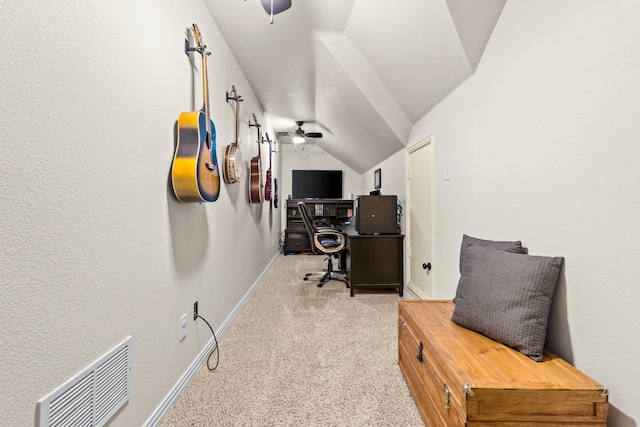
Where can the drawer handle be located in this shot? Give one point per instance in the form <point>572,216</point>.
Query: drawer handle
<point>404,328</point>
<point>447,397</point>
<point>420,357</point>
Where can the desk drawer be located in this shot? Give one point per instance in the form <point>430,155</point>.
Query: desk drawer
<point>296,225</point>
<point>296,241</point>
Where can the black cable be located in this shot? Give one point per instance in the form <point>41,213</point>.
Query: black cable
<point>215,348</point>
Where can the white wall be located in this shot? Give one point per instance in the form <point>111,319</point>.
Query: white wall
<point>543,147</point>
<point>93,245</point>
<point>393,172</point>
<point>311,157</point>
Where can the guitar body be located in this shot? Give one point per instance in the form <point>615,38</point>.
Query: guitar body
<point>275,192</point>
<point>267,186</point>
<point>255,181</point>
<point>194,173</point>
<point>232,170</point>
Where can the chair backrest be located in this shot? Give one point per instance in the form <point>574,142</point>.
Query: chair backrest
<point>308,222</point>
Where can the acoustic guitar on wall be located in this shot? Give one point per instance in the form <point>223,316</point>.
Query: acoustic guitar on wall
<point>195,176</point>
<point>255,179</point>
<point>267,185</point>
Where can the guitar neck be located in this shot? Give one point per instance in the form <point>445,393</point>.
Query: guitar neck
<point>205,87</point>
<point>257,125</point>
<point>237,115</point>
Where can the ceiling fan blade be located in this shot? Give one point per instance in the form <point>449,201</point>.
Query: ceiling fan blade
<point>278,6</point>
<point>313,135</point>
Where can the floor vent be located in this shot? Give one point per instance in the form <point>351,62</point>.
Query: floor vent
<point>94,395</point>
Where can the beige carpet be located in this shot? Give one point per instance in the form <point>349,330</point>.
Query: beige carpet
<point>299,355</point>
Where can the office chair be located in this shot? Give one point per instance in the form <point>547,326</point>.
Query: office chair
<point>329,241</point>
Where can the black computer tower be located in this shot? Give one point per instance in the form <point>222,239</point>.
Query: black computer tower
<point>376,214</point>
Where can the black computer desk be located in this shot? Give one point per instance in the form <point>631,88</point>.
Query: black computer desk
<point>373,260</point>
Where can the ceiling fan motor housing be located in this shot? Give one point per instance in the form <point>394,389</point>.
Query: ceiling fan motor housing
<point>300,132</point>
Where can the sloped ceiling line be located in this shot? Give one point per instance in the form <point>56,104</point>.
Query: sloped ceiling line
<point>389,63</point>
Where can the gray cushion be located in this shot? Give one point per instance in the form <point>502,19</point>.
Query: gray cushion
<point>507,296</point>
<point>515,247</point>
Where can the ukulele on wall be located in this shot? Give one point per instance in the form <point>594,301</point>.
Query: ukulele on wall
<point>232,168</point>
<point>195,176</point>
<point>255,179</point>
<point>267,185</point>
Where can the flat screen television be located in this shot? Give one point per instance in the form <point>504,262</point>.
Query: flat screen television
<point>316,184</point>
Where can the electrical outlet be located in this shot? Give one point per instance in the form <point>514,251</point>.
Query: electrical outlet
<point>183,326</point>
<point>195,310</point>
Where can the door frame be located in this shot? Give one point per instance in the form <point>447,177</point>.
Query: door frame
<point>429,140</point>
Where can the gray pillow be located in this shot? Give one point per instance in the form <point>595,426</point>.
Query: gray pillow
<point>507,296</point>
<point>515,247</point>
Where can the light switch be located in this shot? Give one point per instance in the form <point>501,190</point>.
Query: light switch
<point>447,172</point>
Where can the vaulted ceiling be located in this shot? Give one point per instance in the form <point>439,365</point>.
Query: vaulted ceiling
<point>362,72</point>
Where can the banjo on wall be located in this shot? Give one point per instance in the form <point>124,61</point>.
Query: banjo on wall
<point>232,168</point>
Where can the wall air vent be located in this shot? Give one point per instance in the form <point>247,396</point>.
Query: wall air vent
<point>92,396</point>
<point>286,137</point>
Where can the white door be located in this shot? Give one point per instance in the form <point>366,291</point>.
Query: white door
<point>420,218</point>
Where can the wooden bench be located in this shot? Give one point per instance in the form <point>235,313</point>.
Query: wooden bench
<point>460,378</point>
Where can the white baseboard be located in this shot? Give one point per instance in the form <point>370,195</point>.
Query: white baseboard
<point>408,294</point>
<point>172,396</point>
<point>415,292</point>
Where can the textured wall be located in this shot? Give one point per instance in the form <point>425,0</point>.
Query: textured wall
<point>543,147</point>
<point>394,176</point>
<point>311,157</point>
<point>93,245</point>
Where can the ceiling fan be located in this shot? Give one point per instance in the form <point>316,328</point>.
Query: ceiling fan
<point>273,7</point>
<point>300,135</point>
